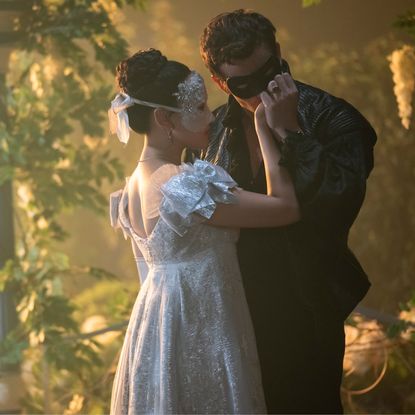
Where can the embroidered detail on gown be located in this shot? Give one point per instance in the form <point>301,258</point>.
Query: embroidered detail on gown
<point>189,345</point>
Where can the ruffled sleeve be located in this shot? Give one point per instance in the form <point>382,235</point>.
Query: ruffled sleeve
<point>190,197</point>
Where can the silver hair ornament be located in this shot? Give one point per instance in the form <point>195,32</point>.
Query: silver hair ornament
<point>191,93</point>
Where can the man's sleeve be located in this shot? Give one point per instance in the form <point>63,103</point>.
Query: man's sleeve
<point>329,169</point>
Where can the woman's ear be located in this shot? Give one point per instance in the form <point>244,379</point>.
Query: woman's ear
<point>220,83</point>
<point>162,118</point>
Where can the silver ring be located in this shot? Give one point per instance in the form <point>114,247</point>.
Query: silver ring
<point>275,87</point>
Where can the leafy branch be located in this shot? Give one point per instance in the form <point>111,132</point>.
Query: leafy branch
<point>53,148</point>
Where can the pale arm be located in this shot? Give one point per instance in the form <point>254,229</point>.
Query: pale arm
<point>253,210</point>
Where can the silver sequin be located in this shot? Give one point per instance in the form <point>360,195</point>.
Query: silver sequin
<point>191,92</point>
<point>192,98</point>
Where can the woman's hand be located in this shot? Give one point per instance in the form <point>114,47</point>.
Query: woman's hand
<point>281,101</point>
<point>260,118</point>
<point>265,135</point>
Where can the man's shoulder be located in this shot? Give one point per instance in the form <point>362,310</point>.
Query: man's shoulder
<point>315,97</point>
<point>320,107</point>
<point>316,100</point>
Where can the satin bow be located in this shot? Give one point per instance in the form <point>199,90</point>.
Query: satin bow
<point>118,116</point>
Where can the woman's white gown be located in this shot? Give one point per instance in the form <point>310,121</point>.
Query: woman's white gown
<point>189,346</point>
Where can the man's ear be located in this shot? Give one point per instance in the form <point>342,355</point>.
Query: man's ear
<point>162,118</point>
<point>220,83</point>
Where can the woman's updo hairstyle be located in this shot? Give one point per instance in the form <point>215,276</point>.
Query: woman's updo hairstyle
<point>150,76</point>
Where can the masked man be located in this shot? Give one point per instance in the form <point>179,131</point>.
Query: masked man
<point>301,281</point>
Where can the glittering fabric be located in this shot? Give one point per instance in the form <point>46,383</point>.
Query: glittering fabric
<point>196,190</point>
<point>189,346</point>
<point>192,99</point>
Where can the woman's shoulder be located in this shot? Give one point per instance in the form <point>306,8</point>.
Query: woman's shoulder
<point>186,173</point>
<point>201,170</point>
<point>163,174</point>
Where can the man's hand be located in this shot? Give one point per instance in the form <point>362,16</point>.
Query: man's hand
<point>281,101</point>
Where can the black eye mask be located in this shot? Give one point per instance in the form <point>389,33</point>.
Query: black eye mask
<point>252,85</point>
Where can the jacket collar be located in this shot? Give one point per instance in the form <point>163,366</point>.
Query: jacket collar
<point>233,112</point>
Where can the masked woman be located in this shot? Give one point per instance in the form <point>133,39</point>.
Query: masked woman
<point>189,346</point>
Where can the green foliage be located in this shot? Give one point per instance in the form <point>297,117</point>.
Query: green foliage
<point>406,22</point>
<point>51,100</point>
<point>308,3</point>
<point>57,25</point>
<point>45,313</point>
<point>108,298</point>
<point>57,90</point>
<point>11,350</point>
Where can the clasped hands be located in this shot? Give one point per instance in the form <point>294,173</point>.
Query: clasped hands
<point>278,108</point>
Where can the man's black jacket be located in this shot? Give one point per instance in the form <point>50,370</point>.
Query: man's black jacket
<point>329,164</point>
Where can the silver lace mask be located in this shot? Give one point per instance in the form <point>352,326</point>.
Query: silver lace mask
<point>194,113</point>
<point>192,98</point>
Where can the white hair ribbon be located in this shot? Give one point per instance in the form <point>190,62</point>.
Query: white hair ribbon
<point>118,116</point>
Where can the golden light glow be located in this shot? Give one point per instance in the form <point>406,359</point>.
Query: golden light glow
<point>365,344</point>
<point>402,65</point>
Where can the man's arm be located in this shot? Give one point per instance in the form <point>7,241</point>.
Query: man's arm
<point>330,171</point>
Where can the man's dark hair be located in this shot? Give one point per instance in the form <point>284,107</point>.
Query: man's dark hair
<point>150,76</point>
<point>234,35</point>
